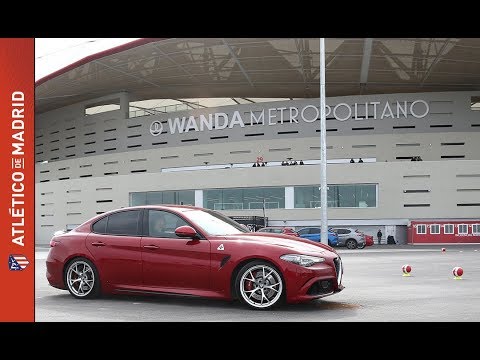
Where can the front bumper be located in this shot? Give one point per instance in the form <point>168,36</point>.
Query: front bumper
<point>305,284</point>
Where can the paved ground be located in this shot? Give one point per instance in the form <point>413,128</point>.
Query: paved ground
<point>375,290</point>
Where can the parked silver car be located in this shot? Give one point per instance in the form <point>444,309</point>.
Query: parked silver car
<point>351,238</point>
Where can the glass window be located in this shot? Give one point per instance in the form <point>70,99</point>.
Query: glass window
<point>476,228</point>
<point>314,230</point>
<point>178,197</point>
<point>366,195</point>
<point>232,199</point>
<point>421,229</point>
<point>308,197</point>
<point>244,199</point>
<point>351,195</point>
<point>448,228</point>
<point>346,196</point>
<point>155,198</point>
<point>214,223</point>
<point>212,199</point>
<point>435,229</point>
<point>253,198</point>
<point>100,226</point>
<point>274,198</point>
<point>163,224</point>
<point>123,223</point>
<point>462,228</point>
<point>138,198</point>
<point>303,231</point>
<point>186,197</point>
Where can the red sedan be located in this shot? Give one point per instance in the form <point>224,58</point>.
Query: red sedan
<point>191,251</point>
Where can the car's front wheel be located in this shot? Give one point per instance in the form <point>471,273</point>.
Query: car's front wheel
<point>81,278</point>
<point>259,285</point>
<point>351,244</point>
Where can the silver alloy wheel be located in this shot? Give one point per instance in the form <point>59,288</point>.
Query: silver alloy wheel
<point>261,286</point>
<point>80,278</point>
<point>351,244</point>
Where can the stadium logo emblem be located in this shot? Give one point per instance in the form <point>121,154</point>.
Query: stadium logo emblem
<point>156,128</point>
<point>17,262</point>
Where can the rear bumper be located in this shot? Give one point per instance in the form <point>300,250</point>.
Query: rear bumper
<point>55,272</point>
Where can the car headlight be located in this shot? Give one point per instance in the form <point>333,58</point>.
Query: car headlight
<point>302,260</point>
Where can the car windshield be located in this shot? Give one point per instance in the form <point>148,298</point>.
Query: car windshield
<point>214,223</point>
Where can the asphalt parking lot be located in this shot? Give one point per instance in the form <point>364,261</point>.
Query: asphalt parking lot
<point>375,290</point>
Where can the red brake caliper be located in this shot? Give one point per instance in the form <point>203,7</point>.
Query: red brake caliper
<point>249,285</point>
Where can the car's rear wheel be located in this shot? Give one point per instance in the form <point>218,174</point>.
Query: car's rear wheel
<point>351,244</point>
<point>81,278</point>
<point>259,285</point>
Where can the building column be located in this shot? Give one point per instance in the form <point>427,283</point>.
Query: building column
<point>125,104</point>
<point>199,198</point>
<point>289,197</point>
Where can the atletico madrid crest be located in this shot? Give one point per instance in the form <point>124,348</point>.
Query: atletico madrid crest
<point>17,262</point>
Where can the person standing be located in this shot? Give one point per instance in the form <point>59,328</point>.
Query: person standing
<point>379,236</point>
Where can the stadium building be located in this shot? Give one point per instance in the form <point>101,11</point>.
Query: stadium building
<point>184,121</point>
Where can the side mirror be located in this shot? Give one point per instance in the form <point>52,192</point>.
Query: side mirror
<point>186,232</point>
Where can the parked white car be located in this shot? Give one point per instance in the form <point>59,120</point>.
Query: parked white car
<point>351,238</point>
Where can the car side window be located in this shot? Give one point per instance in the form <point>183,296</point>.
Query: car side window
<point>100,226</point>
<point>342,231</point>
<point>303,232</point>
<point>123,223</point>
<point>163,224</point>
<point>314,231</point>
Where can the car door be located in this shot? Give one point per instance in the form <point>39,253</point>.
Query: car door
<point>171,262</point>
<point>342,236</point>
<point>314,234</point>
<point>310,234</point>
<point>115,247</point>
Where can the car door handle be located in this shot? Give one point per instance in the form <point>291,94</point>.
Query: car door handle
<point>151,247</point>
<point>98,243</point>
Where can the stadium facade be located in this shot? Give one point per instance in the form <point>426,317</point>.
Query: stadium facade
<point>88,163</point>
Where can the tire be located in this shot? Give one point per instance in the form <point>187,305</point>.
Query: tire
<point>362,246</point>
<point>83,272</point>
<point>351,244</point>
<point>251,281</point>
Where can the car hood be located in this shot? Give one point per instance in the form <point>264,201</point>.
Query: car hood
<point>293,243</point>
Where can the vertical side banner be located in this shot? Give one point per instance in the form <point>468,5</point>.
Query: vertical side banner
<point>17,248</point>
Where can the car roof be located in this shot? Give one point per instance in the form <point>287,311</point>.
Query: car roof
<point>277,227</point>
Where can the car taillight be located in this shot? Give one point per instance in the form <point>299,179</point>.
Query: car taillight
<point>54,243</point>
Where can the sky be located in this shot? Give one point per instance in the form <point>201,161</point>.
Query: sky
<point>52,54</point>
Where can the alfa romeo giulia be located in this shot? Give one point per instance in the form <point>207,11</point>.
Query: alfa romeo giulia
<point>188,250</point>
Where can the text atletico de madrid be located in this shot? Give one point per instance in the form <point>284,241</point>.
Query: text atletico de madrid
<point>18,165</point>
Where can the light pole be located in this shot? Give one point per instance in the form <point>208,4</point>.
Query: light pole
<point>323,148</point>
